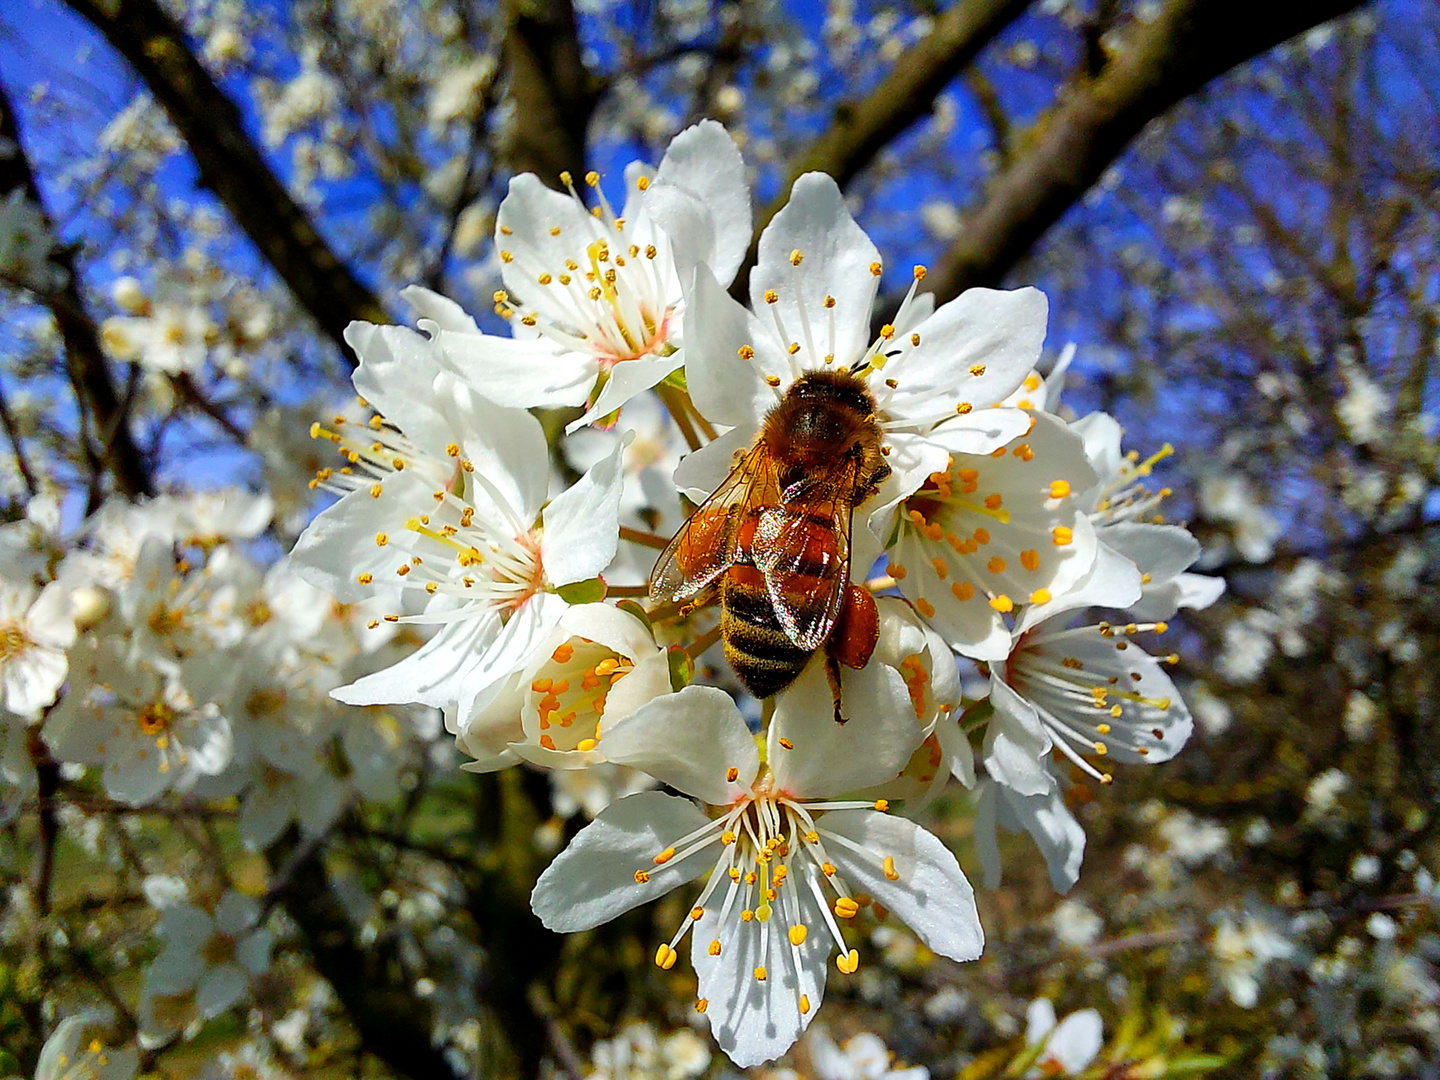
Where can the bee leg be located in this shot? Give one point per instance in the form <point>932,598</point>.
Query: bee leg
<point>832,674</point>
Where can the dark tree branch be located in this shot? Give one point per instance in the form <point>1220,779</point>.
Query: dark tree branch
<point>85,363</point>
<point>861,129</point>
<point>370,981</point>
<point>1189,43</point>
<point>554,94</point>
<point>231,165</point>
<point>17,444</point>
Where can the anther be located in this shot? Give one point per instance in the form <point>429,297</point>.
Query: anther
<point>796,256</point>
<point>798,933</point>
<point>889,867</point>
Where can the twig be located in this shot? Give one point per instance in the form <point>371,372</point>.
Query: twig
<point>645,539</point>
<point>13,433</point>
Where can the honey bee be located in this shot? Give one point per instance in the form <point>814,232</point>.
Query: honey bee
<point>773,541</point>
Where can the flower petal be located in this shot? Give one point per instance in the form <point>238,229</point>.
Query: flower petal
<point>593,879</point>
<point>704,161</point>
<point>691,741</point>
<point>519,373</point>
<point>928,893</point>
<point>725,388</point>
<point>626,380</point>
<point>755,1020</point>
<point>983,343</point>
<point>1016,743</point>
<point>582,523</point>
<point>837,258</point>
<point>826,759</point>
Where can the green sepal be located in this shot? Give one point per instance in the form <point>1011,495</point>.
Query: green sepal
<point>632,607</point>
<point>682,668</point>
<point>591,591</point>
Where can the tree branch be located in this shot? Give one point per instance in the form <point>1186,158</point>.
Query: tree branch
<point>370,981</point>
<point>1189,43</point>
<point>231,165</point>
<point>85,363</point>
<point>553,92</point>
<point>861,129</point>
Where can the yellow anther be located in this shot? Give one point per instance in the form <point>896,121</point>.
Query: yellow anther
<point>829,302</point>
<point>846,908</point>
<point>586,745</point>
<point>641,876</point>
<point>786,743</point>
<point>996,565</point>
<point>977,370</point>
<point>772,380</point>
<point>887,332</point>
<point>1161,627</point>
<point>760,974</point>
<point>715,947</point>
<point>1062,535</point>
<point>1040,596</point>
<point>1059,489</point>
<point>804,1004</point>
<point>746,352</point>
<point>592,178</point>
<point>919,272</point>
<point>696,914</point>
<point>732,774</point>
<point>794,347</point>
<point>964,407</point>
<point>875,269</point>
<point>1101,748</point>
<point>796,256</point>
<point>665,957</point>
<point>727,838</point>
<point>1002,603</point>
<point>882,805</point>
<point>889,867</point>
<point>798,934</point>
<point>747,915</point>
<point>365,578</point>
<point>381,539</point>
<point>771,296</point>
<point>828,869</point>
<point>849,963</point>
<point>664,856</point>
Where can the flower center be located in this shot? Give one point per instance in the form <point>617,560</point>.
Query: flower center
<point>13,641</point>
<point>609,295</point>
<point>265,701</point>
<point>156,718</point>
<point>570,693</point>
<point>219,950</point>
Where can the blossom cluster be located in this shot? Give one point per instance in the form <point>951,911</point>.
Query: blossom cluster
<point>1020,566</point>
<point>152,652</point>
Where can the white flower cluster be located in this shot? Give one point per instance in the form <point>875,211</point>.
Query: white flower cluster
<point>997,524</point>
<point>149,654</point>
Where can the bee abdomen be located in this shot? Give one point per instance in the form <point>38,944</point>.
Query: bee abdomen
<point>763,656</point>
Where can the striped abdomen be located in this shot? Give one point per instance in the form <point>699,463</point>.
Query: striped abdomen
<point>756,645</point>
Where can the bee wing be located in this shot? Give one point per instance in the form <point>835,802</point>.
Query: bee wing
<point>803,549</point>
<point>708,543</point>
